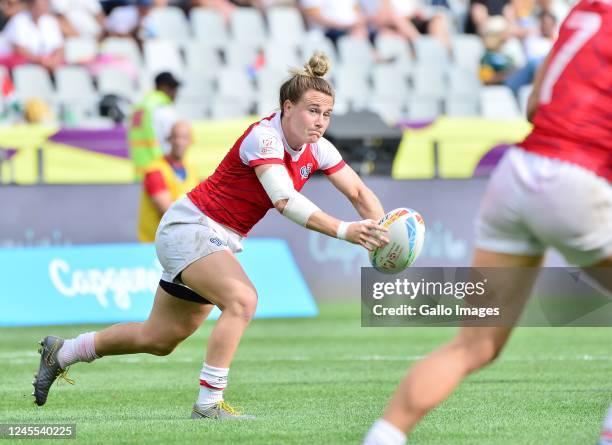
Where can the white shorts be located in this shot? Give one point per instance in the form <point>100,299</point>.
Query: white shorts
<point>533,201</point>
<point>185,235</point>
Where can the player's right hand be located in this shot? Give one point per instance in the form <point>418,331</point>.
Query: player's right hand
<point>367,233</point>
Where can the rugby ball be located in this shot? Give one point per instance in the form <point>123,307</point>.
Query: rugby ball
<point>406,233</point>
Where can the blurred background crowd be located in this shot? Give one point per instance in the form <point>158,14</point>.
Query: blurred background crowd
<point>87,62</point>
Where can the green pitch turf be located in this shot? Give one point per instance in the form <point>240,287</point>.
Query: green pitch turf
<point>320,381</point>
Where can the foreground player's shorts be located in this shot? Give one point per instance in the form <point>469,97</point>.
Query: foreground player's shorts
<point>534,201</point>
<point>185,235</point>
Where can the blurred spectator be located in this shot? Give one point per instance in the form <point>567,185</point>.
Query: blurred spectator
<point>495,65</point>
<point>80,17</point>
<point>166,180</point>
<point>426,22</point>
<point>224,7</point>
<point>498,68</point>
<point>34,36</point>
<point>382,16</point>
<point>8,8</point>
<point>481,10</point>
<point>539,44</point>
<point>336,18</point>
<point>151,122</point>
<point>131,21</point>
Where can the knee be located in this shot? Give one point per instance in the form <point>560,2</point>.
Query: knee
<point>478,353</point>
<point>156,344</point>
<point>483,353</point>
<point>242,303</point>
<point>161,348</point>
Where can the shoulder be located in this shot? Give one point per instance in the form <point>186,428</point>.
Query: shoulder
<point>323,147</point>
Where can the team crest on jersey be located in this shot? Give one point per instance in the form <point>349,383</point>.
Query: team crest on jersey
<point>267,144</point>
<point>306,170</point>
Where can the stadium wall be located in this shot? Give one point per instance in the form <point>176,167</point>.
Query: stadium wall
<point>55,215</point>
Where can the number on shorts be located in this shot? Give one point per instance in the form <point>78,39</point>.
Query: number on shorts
<point>586,25</point>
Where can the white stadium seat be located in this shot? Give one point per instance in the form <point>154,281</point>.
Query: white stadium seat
<point>169,23</point>
<point>208,26</point>
<point>498,102</point>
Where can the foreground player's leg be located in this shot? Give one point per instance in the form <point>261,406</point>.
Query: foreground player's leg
<point>171,321</point>
<point>221,278</point>
<point>434,378</point>
<point>606,431</point>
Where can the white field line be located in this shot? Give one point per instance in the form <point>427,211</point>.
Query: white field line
<point>29,357</point>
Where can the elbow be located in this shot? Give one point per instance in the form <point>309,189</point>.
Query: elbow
<point>280,205</point>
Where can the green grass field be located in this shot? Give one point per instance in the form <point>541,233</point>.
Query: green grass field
<point>321,381</point>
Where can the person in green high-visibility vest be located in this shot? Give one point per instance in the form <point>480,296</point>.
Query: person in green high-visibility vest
<point>150,123</point>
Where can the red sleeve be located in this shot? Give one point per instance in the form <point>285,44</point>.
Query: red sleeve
<point>256,162</point>
<point>335,168</point>
<point>154,183</point>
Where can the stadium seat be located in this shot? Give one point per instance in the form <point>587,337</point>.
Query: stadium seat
<point>389,82</point>
<point>316,41</point>
<point>75,89</point>
<point>122,47</point>
<point>229,108</point>
<point>207,26</point>
<point>235,84</point>
<point>33,82</point>
<point>461,106</point>
<point>423,108</point>
<point>240,55</point>
<point>498,102</point>
<point>286,25</point>
<point>430,52</point>
<point>113,81</point>
<point>247,26</point>
<point>169,23</point>
<point>80,50</point>
<point>270,79</point>
<point>390,112</point>
<point>201,57</point>
<point>281,56</point>
<point>352,87</point>
<point>523,97</point>
<point>396,51</point>
<point>429,81</point>
<point>355,54</point>
<point>463,83</point>
<point>162,55</point>
<point>468,49</point>
<point>266,105</point>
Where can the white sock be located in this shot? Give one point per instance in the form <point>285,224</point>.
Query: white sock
<point>384,433</point>
<point>606,433</point>
<point>212,383</point>
<point>80,349</point>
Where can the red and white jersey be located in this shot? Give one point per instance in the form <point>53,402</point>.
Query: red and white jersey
<point>573,121</point>
<point>233,195</point>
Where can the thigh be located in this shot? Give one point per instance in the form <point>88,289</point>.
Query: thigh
<point>220,277</point>
<point>173,318</point>
<point>512,277</point>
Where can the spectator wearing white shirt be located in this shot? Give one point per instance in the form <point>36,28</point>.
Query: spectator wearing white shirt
<point>83,18</point>
<point>336,18</point>
<point>425,21</point>
<point>382,16</point>
<point>35,36</point>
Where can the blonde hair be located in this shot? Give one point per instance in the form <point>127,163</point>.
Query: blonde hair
<point>308,78</point>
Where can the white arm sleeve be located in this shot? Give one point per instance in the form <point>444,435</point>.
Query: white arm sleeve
<point>279,186</point>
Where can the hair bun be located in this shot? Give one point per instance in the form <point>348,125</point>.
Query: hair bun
<point>318,65</point>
